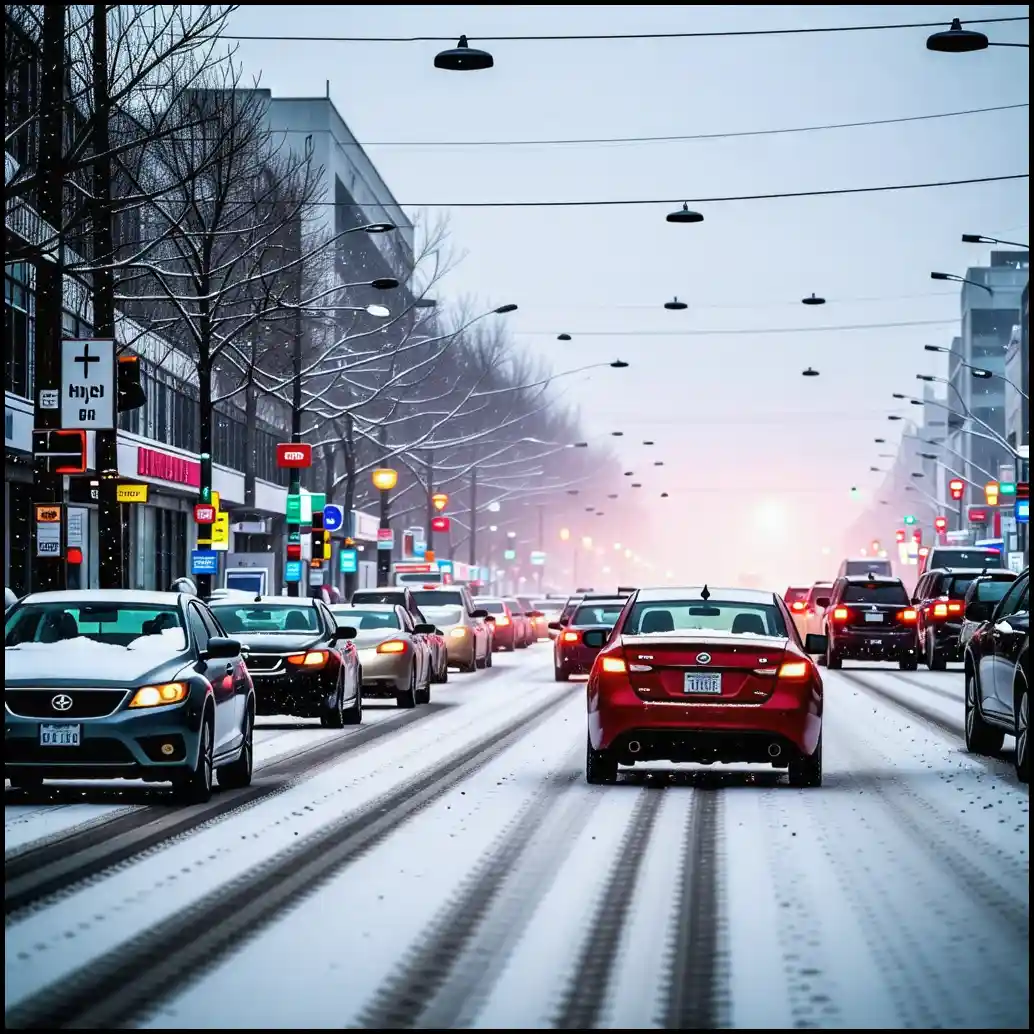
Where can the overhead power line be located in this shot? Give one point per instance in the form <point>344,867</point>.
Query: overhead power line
<point>762,330</point>
<point>674,138</point>
<point>730,33</point>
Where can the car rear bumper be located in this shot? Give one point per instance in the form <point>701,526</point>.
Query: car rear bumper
<point>461,652</point>
<point>385,674</point>
<point>947,640</point>
<point>716,732</point>
<point>126,745</point>
<point>874,646</point>
<point>300,694</point>
<point>575,661</point>
<point>504,638</point>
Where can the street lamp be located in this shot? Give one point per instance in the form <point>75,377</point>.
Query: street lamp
<point>684,215</point>
<point>675,305</point>
<point>979,238</point>
<point>463,58</point>
<point>384,283</point>
<point>813,299</point>
<point>955,278</point>
<point>957,40</point>
<point>563,337</point>
<point>977,371</point>
<point>384,480</point>
<point>565,534</point>
<point>809,372</point>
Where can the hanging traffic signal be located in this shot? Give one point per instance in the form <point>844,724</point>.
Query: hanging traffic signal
<point>956,487</point>
<point>129,389</point>
<point>318,537</point>
<point>206,477</point>
<point>910,518</point>
<point>991,490</point>
<point>940,525</point>
<point>439,501</point>
<point>899,535</point>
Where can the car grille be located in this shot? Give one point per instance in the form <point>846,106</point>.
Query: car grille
<point>265,663</point>
<point>86,703</point>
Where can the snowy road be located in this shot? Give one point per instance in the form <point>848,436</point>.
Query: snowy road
<point>450,868</point>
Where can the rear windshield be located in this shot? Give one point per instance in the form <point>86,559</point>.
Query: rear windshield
<point>865,566</point>
<point>992,590</point>
<point>966,558</point>
<point>438,598</point>
<point>262,618</point>
<point>364,620</point>
<point>492,606</point>
<point>597,614</point>
<point>443,615</point>
<point>795,595</point>
<point>569,608</point>
<point>713,616</point>
<point>876,592</point>
<point>372,596</point>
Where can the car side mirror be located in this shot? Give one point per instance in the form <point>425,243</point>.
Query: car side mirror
<point>822,601</point>
<point>482,614</point>
<point>815,644</point>
<point>438,631</point>
<point>490,619</point>
<point>555,626</point>
<point>424,629</point>
<point>220,647</point>
<point>594,638</point>
<point>979,610</point>
<point>345,632</point>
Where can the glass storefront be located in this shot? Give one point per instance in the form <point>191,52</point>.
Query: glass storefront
<point>158,547</point>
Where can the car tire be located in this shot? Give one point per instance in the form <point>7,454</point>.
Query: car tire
<point>935,660</point>
<point>1022,711</point>
<point>423,696</point>
<point>909,664</point>
<point>488,658</point>
<point>237,774</point>
<point>444,677</point>
<point>477,665</point>
<point>26,781</point>
<point>833,661</point>
<point>195,785</point>
<point>333,717</point>
<point>408,698</point>
<point>354,715</point>
<point>806,769</point>
<point>560,674</point>
<point>601,767</point>
<point>981,738</point>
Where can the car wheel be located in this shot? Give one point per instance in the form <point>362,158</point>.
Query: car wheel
<point>806,769</point>
<point>423,696</point>
<point>935,660</point>
<point>488,658</point>
<point>195,785</point>
<point>26,781</point>
<point>333,717</point>
<point>601,767</point>
<point>445,672</point>
<point>1022,709</point>
<point>833,662</point>
<point>559,674</point>
<point>237,774</point>
<point>482,663</point>
<point>981,738</point>
<point>408,698</point>
<point>908,664</point>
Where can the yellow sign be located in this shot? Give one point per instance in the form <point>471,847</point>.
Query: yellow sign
<point>48,514</point>
<point>132,493</point>
<point>215,501</point>
<point>221,530</point>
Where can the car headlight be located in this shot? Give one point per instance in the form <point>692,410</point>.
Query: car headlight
<point>156,696</point>
<point>458,633</point>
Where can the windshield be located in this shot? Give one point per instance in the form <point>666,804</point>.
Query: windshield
<point>867,566</point>
<point>597,614</point>
<point>117,624</point>
<point>548,606</point>
<point>364,620</point>
<point>444,615</point>
<point>370,596</point>
<point>428,599</point>
<point>993,589</point>
<point>265,618</point>
<point>876,592</point>
<point>966,558</point>
<point>795,595</point>
<point>713,616</point>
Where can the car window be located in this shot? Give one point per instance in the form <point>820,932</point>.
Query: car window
<point>266,618</point>
<point>1014,601</point>
<point>364,620</point>
<point>115,623</point>
<point>816,591</point>
<point>210,623</point>
<point>963,557</point>
<point>991,590</point>
<point>437,598</point>
<point>697,616</point>
<point>795,595</point>
<point>597,614</point>
<point>875,592</point>
<point>492,606</point>
<point>371,596</point>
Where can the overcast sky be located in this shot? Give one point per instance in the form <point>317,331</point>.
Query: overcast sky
<point>759,460</point>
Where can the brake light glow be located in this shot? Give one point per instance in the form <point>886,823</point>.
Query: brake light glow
<point>907,616</point>
<point>613,665</point>
<point>793,670</point>
<point>156,696</point>
<point>392,646</point>
<point>502,620</point>
<point>798,606</point>
<point>954,607</point>
<point>841,613</point>
<point>570,637</point>
<point>940,610</point>
<point>310,659</point>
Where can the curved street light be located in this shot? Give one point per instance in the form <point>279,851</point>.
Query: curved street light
<point>957,40</point>
<point>813,299</point>
<point>463,58</point>
<point>955,278</point>
<point>684,215</point>
<point>979,238</point>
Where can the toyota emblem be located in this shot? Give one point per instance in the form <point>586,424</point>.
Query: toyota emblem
<point>62,702</point>
<point>703,658</point>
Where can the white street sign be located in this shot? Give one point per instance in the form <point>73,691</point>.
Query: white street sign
<point>88,384</point>
<point>48,538</point>
<point>49,399</point>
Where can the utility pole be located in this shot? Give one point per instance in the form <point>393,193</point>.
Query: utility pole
<point>541,543</point>
<point>473,558</point>
<point>109,511</point>
<point>430,503</point>
<point>384,555</point>
<point>48,488</point>
<point>295,486</point>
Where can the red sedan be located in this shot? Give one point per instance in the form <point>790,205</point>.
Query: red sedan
<point>701,675</point>
<point>571,654</point>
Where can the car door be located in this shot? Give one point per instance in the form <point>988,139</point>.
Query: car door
<point>239,679</point>
<point>219,672</point>
<point>345,647</point>
<point>1009,629</point>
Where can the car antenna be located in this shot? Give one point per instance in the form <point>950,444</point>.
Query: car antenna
<point>705,593</point>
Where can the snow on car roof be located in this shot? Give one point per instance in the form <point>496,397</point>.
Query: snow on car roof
<point>692,592</point>
<point>145,597</point>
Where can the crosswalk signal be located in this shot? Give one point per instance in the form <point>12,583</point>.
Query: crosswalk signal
<point>129,389</point>
<point>319,537</point>
<point>59,452</point>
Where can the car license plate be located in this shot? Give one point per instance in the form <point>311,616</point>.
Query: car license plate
<point>873,617</point>
<point>696,683</point>
<point>60,735</point>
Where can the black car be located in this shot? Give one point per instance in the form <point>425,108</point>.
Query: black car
<point>123,684</point>
<point>302,663</point>
<point>869,618</point>
<point>997,679</point>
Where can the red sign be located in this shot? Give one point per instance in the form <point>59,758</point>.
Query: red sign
<point>294,454</point>
<point>440,523</point>
<point>294,551</point>
<point>165,467</point>
<point>977,516</point>
<point>385,535</point>
<point>204,513</point>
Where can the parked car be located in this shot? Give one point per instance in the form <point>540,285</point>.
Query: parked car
<point>571,654</point>
<point>870,617</point>
<point>394,652</point>
<point>988,588</point>
<point>814,621</point>
<point>121,684</point>
<point>302,661</point>
<point>704,675</point>
<point>997,674</point>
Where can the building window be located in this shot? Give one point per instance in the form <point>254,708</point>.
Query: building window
<point>18,330</point>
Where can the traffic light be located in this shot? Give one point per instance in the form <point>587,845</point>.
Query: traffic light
<point>294,551</point>
<point>991,490</point>
<point>318,536</point>
<point>206,477</point>
<point>956,487</point>
<point>129,390</point>
<point>899,535</point>
<point>439,501</point>
<point>910,519</point>
<point>59,452</point>
<point>940,525</point>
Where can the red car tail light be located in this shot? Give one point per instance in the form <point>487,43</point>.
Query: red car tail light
<point>502,620</point>
<point>571,637</point>
<point>794,670</point>
<point>841,613</point>
<point>797,607</point>
<point>392,646</point>
<point>940,610</point>
<point>311,659</point>
<point>908,616</point>
<point>613,665</point>
<point>954,607</point>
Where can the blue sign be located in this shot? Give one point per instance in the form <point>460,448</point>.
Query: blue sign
<point>204,561</point>
<point>444,566</point>
<point>333,517</point>
<point>419,550</point>
<point>1022,511</point>
<point>293,571</point>
<point>348,560</point>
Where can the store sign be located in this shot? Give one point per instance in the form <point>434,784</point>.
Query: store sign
<point>977,516</point>
<point>164,466</point>
<point>294,455</point>
<point>348,561</point>
<point>204,561</point>
<point>87,384</point>
<point>132,493</point>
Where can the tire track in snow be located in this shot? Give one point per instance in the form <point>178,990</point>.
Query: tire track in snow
<point>694,1001</point>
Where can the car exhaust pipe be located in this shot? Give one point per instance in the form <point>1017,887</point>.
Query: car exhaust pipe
<point>774,750</point>
<point>634,746</point>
